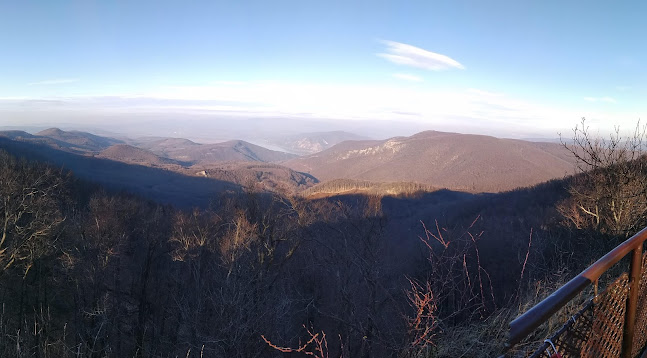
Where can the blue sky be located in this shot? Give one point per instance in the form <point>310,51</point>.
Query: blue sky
<point>537,66</point>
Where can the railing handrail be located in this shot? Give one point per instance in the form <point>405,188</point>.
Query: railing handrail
<point>533,318</point>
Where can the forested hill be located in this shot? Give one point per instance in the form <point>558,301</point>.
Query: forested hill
<point>463,162</point>
<point>123,167</point>
<point>121,276</point>
<point>163,185</point>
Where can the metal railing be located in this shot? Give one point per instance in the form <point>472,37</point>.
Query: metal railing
<point>528,322</point>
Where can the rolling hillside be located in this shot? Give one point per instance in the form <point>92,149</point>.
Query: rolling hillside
<point>473,163</point>
<point>126,167</point>
<point>128,154</point>
<point>154,183</point>
<point>190,152</point>
<point>69,141</point>
<point>258,176</point>
<point>174,149</point>
<point>82,141</point>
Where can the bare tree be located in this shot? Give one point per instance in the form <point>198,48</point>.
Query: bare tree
<point>610,192</point>
<point>29,211</point>
<point>231,280</point>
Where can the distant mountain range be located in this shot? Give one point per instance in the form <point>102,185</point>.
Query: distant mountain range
<point>72,141</point>
<point>472,163</point>
<point>77,140</point>
<point>188,171</point>
<point>184,150</point>
<point>460,162</point>
<point>177,150</point>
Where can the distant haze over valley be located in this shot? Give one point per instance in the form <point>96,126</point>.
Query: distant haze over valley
<point>427,160</point>
<point>213,128</point>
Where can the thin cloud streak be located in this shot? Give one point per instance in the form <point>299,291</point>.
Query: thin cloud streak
<point>408,55</point>
<point>57,81</point>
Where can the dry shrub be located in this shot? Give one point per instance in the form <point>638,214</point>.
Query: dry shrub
<point>315,346</point>
<point>487,338</point>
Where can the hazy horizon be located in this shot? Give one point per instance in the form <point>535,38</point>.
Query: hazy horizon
<point>205,70</point>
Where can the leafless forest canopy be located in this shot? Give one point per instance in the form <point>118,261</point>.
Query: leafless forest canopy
<point>421,246</point>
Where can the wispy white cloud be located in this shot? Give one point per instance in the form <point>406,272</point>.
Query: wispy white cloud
<point>408,77</point>
<point>56,81</point>
<point>409,55</point>
<point>623,88</point>
<point>600,99</point>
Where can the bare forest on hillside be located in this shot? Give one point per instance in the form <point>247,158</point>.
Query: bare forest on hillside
<point>344,269</point>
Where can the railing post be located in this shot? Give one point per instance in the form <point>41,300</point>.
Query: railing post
<point>632,302</point>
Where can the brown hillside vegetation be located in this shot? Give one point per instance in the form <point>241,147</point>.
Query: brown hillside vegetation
<point>350,186</point>
<point>133,155</point>
<point>194,153</point>
<point>439,274</point>
<point>167,186</point>
<point>264,265</point>
<point>175,149</point>
<point>160,178</point>
<point>74,141</point>
<point>78,140</point>
<point>238,163</point>
<point>455,161</point>
<point>256,176</point>
<point>16,135</point>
